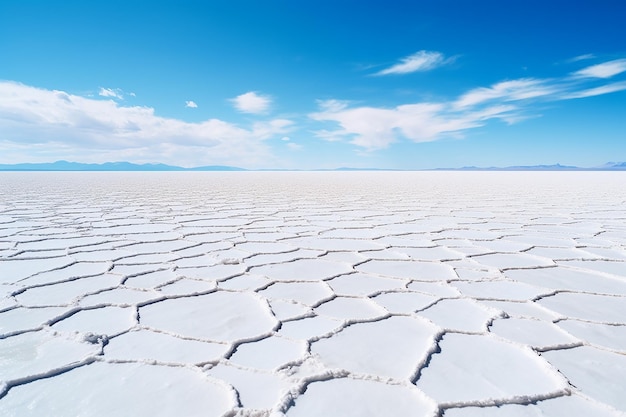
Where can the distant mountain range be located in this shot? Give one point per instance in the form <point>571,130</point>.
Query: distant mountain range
<point>108,166</point>
<point>128,166</point>
<point>609,166</point>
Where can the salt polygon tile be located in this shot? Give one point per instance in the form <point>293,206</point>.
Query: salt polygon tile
<point>354,233</point>
<point>256,248</point>
<point>430,254</point>
<point>303,270</point>
<point>61,243</point>
<point>269,353</point>
<point>404,302</point>
<point>107,321</point>
<point>159,247</point>
<point>66,293</point>
<point>605,335</point>
<point>472,274</point>
<point>459,315</point>
<point>391,348</point>
<point>481,369</point>
<point>76,270</point>
<point>499,290</point>
<point>562,253</point>
<point>385,254</point>
<point>196,261</point>
<point>146,346</point>
<point>609,253</point>
<point>564,278</point>
<point>505,245</point>
<point>597,373</point>
<point>287,310</point>
<point>307,293</point>
<point>15,270</point>
<point>331,244</point>
<point>523,309</point>
<point>220,316</point>
<point>348,397</point>
<point>264,259</point>
<point>218,272</point>
<point>360,284</point>
<point>617,268</point>
<point>538,334</point>
<point>569,405</point>
<point>245,282</point>
<point>35,354</point>
<point>200,235</point>
<point>413,270</point>
<point>350,258</point>
<point>186,287</point>
<point>256,390</point>
<point>21,319</point>
<point>434,288</point>
<point>135,229</point>
<point>269,236</point>
<point>513,260</point>
<point>158,258</point>
<point>148,280</point>
<point>345,308</point>
<point>120,297</point>
<point>309,327</point>
<point>102,389</point>
<point>592,307</point>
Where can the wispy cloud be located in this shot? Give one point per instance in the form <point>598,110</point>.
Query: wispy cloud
<point>62,125</point>
<point>513,90</point>
<point>581,57</point>
<point>510,101</point>
<point>111,92</point>
<point>604,70</point>
<point>597,91</point>
<point>191,104</point>
<point>251,102</point>
<point>419,61</point>
<point>376,128</point>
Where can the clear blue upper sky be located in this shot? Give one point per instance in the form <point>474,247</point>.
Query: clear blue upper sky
<point>314,84</point>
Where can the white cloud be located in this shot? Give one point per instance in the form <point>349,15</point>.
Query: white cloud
<point>294,146</point>
<point>55,124</point>
<point>582,57</point>
<point>604,70</point>
<point>191,104</point>
<point>510,101</point>
<point>605,89</point>
<point>419,61</point>
<point>111,92</point>
<point>376,128</point>
<point>506,91</point>
<point>251,102</point>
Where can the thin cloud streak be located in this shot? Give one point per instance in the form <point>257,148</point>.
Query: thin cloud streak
<point>419,61</point>
<point>604,70</point>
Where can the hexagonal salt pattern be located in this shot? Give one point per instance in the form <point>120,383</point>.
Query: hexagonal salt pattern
<point>306,294</point>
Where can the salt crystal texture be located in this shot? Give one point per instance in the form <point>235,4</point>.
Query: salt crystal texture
<point>267,294</point>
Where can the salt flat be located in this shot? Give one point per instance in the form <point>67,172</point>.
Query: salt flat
<point>451,294</point>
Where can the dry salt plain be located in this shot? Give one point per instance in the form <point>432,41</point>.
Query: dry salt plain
<point>449,294</point>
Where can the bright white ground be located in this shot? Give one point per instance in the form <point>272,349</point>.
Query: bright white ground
<point>313,294</point>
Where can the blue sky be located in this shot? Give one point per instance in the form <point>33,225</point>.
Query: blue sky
<point>319,84</point>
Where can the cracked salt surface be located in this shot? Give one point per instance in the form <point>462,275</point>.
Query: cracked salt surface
<point>307,294</point>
